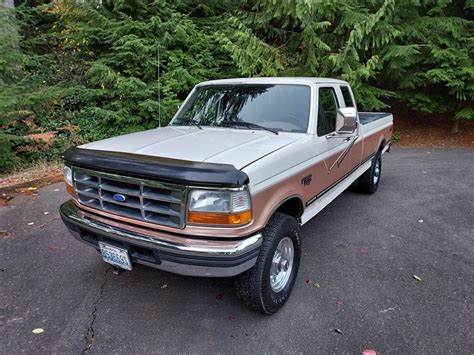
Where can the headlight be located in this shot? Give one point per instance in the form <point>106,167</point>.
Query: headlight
<point>68,175</point>
<point>219,207</point>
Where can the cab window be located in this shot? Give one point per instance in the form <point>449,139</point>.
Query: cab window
<point>327,111</point>
<point>346,94</point>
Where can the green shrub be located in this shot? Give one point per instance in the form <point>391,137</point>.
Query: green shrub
<point>8,158</point>
<point>87,70</point>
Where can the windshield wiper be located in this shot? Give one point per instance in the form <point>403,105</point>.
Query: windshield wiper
<point>190,122</point>
<point>249,125</point>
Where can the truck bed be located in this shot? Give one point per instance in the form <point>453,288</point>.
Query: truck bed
<point>367,117</point>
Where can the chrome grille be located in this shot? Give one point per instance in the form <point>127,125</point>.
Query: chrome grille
<point>145,200</point>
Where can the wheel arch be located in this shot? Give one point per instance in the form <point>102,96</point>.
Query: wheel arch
<point>292,206</point>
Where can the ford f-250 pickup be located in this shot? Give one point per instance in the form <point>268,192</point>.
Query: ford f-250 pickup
<point>224,189</point>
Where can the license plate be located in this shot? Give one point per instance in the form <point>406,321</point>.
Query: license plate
<point>115,256</point>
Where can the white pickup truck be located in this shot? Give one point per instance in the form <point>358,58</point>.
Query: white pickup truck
<point>224,189</point>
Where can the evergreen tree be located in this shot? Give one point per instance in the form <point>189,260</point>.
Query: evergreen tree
<point>86,70</point>
<point>418,51</point>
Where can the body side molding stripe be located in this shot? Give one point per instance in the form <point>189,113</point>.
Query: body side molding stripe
<point>327,189</point>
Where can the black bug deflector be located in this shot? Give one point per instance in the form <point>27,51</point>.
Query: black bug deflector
<point>157,168</point>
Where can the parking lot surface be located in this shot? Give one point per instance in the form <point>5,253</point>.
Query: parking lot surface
<point>391,272</point>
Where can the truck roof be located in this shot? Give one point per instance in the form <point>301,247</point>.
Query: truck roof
<point>275,80</point>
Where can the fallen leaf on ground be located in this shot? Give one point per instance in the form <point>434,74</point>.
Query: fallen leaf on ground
<point>116,270</point>
<point>417,278</point>
<point>6,234</point>
<point>26,191</point>
<point>34,177</point>
<point>388,309</point>
<point>338,331</point>
<point>4,200</point>
<point>38,330</point>
<point>164,286</point>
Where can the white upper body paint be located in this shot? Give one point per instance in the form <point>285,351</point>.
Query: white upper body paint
<point>267,158</point>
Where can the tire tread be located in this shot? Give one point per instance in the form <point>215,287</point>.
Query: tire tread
<point>250,286</point>
<point>365,181</point>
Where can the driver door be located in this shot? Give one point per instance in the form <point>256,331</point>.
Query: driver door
<point>332,166</point>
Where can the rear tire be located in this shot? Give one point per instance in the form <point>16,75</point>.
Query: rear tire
<point>268,285</point>
<point>369,181</point>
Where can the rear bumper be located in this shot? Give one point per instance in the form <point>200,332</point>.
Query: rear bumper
<point>210,258</point>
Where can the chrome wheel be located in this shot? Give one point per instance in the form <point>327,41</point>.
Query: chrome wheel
<point>282,264</point>
<point>377,172</point>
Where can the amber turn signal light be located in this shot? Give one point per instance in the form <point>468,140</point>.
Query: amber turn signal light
<point>70,190</point>
<point>220,218</point>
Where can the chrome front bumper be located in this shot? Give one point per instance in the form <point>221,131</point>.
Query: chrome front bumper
<point>209,257</point>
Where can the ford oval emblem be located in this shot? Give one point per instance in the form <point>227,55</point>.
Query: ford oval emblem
<point>119,198</point>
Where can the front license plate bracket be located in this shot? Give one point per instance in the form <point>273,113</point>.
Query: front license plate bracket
<point>116,256</point>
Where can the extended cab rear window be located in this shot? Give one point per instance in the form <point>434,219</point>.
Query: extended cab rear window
<point>282,107</point>
<point>346,94</point>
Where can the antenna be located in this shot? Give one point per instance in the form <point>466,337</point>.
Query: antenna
<point>159,86</point>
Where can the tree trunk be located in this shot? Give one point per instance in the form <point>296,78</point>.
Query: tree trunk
<point>8,28</point>
<point>9,4</point>
<point>456,126</point>
<point>9,40</point>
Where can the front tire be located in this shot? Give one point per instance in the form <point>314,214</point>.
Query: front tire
<point>268,285</point>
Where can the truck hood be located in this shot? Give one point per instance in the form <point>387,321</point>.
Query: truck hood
<point>238,147</point>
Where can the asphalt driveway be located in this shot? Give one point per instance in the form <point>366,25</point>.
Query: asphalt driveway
<point>356,288</point>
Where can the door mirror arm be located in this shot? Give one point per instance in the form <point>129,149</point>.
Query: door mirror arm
<point>335,135</point>
<point>341,157</point>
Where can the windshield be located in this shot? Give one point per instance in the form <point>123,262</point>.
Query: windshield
<point>280,107</point>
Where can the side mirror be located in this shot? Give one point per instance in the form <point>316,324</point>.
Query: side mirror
<point>346,120</point>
